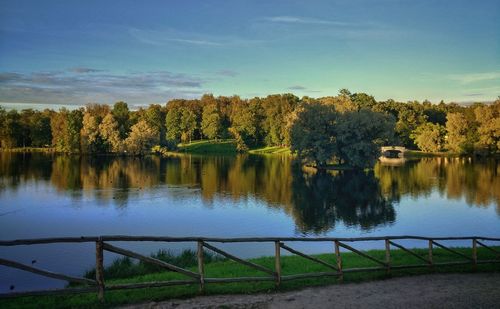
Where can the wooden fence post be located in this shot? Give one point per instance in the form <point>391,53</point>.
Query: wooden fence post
<point>201,266</point>
<point>388,255</point>
<point>277,262</point>
<point>339,260</point>
<point>99,269</point>
<point>474,253</point>
<point>430,253</point>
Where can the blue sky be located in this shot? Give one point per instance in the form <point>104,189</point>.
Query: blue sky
<point>142,52</point>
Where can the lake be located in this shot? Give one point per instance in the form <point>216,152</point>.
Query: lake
<point>44,195</point>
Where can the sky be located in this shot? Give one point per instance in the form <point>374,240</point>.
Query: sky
<point>143,52</point>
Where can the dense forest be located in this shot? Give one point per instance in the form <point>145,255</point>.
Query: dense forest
<point>276,120</point>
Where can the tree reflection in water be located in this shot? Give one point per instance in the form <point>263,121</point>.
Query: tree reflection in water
<point>322,199</point>
<point>317,201</point>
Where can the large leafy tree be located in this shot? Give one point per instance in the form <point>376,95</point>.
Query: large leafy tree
<point>40,133</point>
<point>59,127</point>
<point>10,129</point>
<point>173,126</point>
<point>276,108</point>
<point>90,138</point>
<point>359,136</point>
<point>408,120</point>
<point>155,118</point>
<point>121,114</point>
<point>429,137</point>
<point>488,118</point>
<point>188,124</point>
<point>247,119</point>
<point>211,121</point>
<point>313,133</point>
<point>66,126</point>
<point>110,132</point>
<point>142,137</point>
<point>461,133</point>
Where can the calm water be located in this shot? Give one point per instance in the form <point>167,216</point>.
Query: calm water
<point>46,196</point>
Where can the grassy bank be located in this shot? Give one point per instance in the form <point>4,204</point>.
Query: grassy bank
<point>226,268</point>
<point>271,150</point>
<point>209,147</point>
<point>227,146</point>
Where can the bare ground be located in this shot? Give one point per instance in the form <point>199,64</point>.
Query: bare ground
<point>427,291</point>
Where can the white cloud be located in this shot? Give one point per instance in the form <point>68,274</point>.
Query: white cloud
<point>80,87</point>
<point>469,78</point>
<point>304,20</point>
<point>165,37</point>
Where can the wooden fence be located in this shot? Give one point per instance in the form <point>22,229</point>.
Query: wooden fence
<point>103,244</point>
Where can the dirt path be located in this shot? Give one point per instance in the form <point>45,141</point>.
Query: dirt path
<point>428,291</point>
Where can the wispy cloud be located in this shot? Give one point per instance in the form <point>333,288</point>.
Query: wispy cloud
<point>297,87</point>
<point>84,70</point>
<point>304,20</point>
<point>78,87</point>
<point>294,27</point>
<point>474,94</point>
<point>469,78</point>
<point>169,36</point>
<point>302,89</point>
<point>227,72</point>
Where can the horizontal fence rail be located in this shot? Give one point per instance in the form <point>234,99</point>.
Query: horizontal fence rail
<point>275,275</point>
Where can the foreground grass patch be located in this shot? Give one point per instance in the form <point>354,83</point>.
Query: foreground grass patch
<point>290,265</point>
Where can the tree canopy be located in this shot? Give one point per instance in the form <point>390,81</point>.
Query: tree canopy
<point>361,124</point>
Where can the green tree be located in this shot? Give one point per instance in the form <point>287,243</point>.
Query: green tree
<point>141,138</point>
<point>429,137</point>
<point>59,127</point>
<point>91,141</point>
<point>187,124</point>
<point>72,134</point>
<point>40,133</point>
<point>110,132</point>
<point>360,135</point>
<point>408,120</point>
<point>488,118</point>
<point>10,129</point>
<point>25,122</point>
<point>66,127</point>
<point>173,126</point>
<point>363,100</point>
<point>313,133</point>
<point>246,121</point>
<point>276,108</point>
<point>342,102</point>
<point>460,133</point>
<point>155,118</point>
<point>121,114</point>
<point>211,121</point>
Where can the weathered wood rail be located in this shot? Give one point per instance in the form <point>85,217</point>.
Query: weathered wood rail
<point>275,275</point>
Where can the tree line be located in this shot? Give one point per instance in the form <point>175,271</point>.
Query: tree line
<point>342,126</point>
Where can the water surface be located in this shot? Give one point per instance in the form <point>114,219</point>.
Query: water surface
<point>230,196</point>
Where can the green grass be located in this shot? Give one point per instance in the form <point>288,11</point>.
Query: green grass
<point>271,150</point>
<point>226,146</point>
<point>125,267</point>
<point>209,147</point>
<point>290,265</point>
